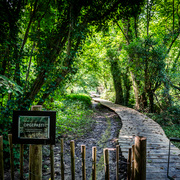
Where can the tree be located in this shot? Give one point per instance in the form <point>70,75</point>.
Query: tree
<point>40,42</point>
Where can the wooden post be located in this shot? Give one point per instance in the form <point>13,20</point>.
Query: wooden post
<point>94,163</point>
<point>35,156</point>
<point>21,161</point>
<point>1,159</point>
<point>52,161</point>
<point>129,165</point>
<point>83,152</point>
<point>62,158</point>
<point>117,162</point>
<point>11,156</point>
<point>132,173</point>
<point>106,163</point>
<point>72,159</point>
<point>140,158</point>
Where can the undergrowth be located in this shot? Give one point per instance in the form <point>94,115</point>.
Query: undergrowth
<point>170,122</point>
<point>73,119</point>
<point>74,115</point>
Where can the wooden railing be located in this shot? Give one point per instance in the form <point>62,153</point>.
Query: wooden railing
<point>136,163</point>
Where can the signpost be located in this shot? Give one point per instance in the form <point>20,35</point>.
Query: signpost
<point>36,128</point>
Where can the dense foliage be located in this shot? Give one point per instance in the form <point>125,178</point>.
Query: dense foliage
<point>127,51</point>
<point>39,45</point>
<point>74,115</point>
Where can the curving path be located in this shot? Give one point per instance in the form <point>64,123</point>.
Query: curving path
<point>137,124</point>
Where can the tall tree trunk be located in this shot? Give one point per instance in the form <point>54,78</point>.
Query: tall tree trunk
<point>151,101</point>
<point>136,90</point>
<point>127,85</point>
<point>167,97</point>
<point>115,70</point>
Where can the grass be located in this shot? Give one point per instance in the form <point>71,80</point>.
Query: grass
<point>74,115</point>
<point>169,120</point>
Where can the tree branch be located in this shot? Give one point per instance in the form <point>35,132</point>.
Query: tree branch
<point>178,32</point>
<point>171,84</point>
<point>122,31</point>
<point>28,27</point>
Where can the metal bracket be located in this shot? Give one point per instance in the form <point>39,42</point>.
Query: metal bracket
<point>174,140</point>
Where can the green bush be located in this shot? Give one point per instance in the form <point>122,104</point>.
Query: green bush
<point>80,97</point>
<point>74,114</point>
<point>169,121</point>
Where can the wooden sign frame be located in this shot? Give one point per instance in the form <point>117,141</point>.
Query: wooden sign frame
<point>34,127</point>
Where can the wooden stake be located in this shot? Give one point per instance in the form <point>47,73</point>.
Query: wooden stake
<point>93,163</point>
<point>11,156</point>
<point>30,158</point>
<point>21,161</point>
<point>35,162</point>
<point>132,174</point>
<point>1,159</point>
<point>117,162</point>
<point>129,165</point>
<point>106,163</point>
<point>140,158</point>
<point>62,159</point>
<point>52,161</point>
<point>35,156</point>
<point>83,152</point>
<point>72,159</point>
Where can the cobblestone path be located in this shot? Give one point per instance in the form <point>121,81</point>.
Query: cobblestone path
<point>137,124</point>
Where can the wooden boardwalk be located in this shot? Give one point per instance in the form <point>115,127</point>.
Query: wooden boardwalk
<point>137,124</point>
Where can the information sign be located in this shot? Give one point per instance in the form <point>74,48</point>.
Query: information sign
<point>34,127</point>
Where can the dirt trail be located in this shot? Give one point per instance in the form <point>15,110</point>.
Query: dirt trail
<point>104,133</point>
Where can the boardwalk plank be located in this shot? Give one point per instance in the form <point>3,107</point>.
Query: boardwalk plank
<point>137,124</point>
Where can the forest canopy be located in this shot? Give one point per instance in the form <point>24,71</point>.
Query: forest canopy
<point>126,50</point>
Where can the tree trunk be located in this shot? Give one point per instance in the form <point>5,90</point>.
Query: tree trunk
<point>127,85</point>
<point>136,91</point>
<point>115,70</point>
<point>143,101</point>
<point>151,102</point>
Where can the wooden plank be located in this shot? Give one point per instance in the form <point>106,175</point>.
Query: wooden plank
<point>72,159</point>
<point>11,155</point>
<point>52,161</point>
<point>83,152</point>
<point>62,158</point>
<point>135,123</point>
<point>35,155</point>
<point>159,176</point>
<point>1,159</point>
<point>94,163</point>
<point>106,163</point>
<point>21,160</point>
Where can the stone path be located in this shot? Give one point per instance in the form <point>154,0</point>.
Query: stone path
<point>137,124</point>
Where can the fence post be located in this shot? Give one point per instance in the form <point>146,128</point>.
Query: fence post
<point>21,161</point>
<point>106,163</point>
<point>132,173</point>
<point>1,159</point>
<point>52,161</point>
<point>11,156</point>
<point>129,165</point>
<point>140,158</point>
<point>117,162</point>
<point>35,156</point>
<point>83,151</point>
<point>94,163</point>
<point>62,158</point>
<point>72,159</point>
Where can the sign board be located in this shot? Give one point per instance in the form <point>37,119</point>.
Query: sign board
<point>34,127</point>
